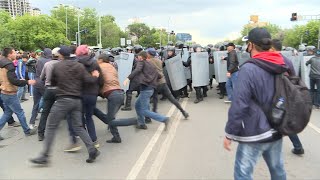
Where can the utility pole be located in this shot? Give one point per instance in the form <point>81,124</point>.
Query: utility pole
<point>100,30</point>
<point>79,33</point>
<point>66,9</point>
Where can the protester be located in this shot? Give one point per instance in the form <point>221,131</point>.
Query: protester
<point>9,88</point>
<point>69,77</point>
<point>247,122</point>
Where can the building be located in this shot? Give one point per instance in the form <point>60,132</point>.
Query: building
<point>35,12</point>
<point>184,37</point>
<point>15,7</point>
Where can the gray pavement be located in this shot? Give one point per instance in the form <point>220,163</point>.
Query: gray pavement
<point>191,149</point>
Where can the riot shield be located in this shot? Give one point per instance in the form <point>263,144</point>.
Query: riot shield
<point>211,70</point>
<point>175,72</point>
<point>200,69</point>
<point>125,62</point>
<point>243,57</point>
<point>305,70</point>
<point>295,59</point>
<point>220,66</point>
<point>185,56</point>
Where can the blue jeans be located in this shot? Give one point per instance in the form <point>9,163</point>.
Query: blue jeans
<point>22,92</point>
<point>296,142</point>
<point>31,77</point>
<point>315,93</point>
<point>89,104</point>
<point>37,95</point>
<point>12,105</point>
<point>248,154</point>
<point>142,107</point>
<point>230,85</point>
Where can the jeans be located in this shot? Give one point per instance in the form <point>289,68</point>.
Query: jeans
<point>59,111</point>
<point>296,142</point>
<point>248,154</point>
<point>89,104</point>
<point>12,105</point>
<point>49,98</point>
<point>115,101</point>
<point>142,107</point>
<point>11,120</point>
<point>315,93</point>
<point>22,92</point>
<point>37,95</point>
<point>230,85</point>
<point>164,89</point>
<point>31,77</point>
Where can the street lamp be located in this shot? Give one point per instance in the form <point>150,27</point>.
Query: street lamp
<point>100,32</point>
<point>66,9</point>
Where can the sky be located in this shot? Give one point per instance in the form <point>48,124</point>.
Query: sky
<point>208,21</point>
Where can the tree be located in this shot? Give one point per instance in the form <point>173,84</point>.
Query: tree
<point>111,32</point>
<point>138,30</point>
<point>33,32</point>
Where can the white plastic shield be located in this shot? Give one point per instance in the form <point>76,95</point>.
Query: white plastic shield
<point>176,74</point>
<point>305,70</point>
<point>295,59</point>
<point>125,62</point>
<point>243,57</point>
<point>220,66</point>
<point>200,69</point>
<point>185,57</point>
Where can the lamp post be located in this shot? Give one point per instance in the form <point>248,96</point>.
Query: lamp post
<point>66,9</point>
<point>100,30</point>
<point>79,33</point>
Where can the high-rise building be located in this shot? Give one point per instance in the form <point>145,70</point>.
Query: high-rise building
<point>15,7</point>
<point>35,12</point>
<point>184,37</point>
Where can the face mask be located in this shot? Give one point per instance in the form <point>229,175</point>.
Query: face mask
<point>247,50</point>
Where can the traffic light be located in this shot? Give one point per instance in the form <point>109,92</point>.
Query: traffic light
<point>294,17</point>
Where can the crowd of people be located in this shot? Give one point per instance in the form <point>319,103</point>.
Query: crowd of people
<point>66,82</point>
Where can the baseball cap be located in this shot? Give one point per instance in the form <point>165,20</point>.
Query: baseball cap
<point>55,51</point>
<point>258,36</point>
<point>152,51</point>
<point>65,51</point>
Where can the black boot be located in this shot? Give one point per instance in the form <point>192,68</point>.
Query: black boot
<point>185,114</point>
<point>205,90</point>
<point>198,96</point>
<point>147,120</point>
<point>127,106</point>
<point>115,139</point>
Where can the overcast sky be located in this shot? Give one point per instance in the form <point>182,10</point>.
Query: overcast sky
<point>208,21</point>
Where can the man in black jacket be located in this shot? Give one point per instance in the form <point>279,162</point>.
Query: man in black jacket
<point>233,67</point>
<point>69,77</point>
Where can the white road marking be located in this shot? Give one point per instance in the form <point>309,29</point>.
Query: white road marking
<point>314,127</point>
<point>144,156</point>
<point>162,154</point>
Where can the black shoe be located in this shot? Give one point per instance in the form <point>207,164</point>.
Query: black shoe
<point>298,151</point>
<point>147,120</point>
<point>126,109</point>
<point>185,114</point>
<point>142,127</point>
<point>221,96</point>
<point>1,138</point>
<point>114,140</point>
<point>93,156</point>
<point>197,101</point>
<point>205,95</point>
<point>32,132</point>
<point>42,160</point>
<point>40,137</point>
<point>184,96</point>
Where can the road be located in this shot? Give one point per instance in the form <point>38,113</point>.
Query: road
<point>191,149</point>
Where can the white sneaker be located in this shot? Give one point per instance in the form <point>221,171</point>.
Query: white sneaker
<point>227,101</point>
<point>32,126</point>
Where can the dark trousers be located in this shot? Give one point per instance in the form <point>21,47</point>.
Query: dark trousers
<point>49,97</point>
<point>11,120</point>
<point>164,89</point>
<point>115,101</point>
<point>222,88</point>
<point>315,92</point>
<point>296,142</point>
<point>89,104</point>
<point>37,94</point>
<point>59,111</point>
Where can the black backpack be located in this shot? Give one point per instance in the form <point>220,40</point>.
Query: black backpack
<point>297,105</point>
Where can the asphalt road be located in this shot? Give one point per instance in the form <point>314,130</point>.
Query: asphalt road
<point>191,149</point>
